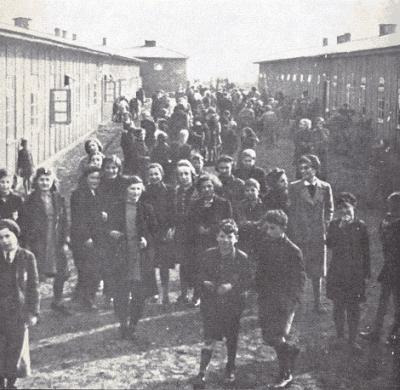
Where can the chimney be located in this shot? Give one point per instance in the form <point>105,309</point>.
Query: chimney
<point>104,41</point>
<point>64,34</point>
<point>343,38</point>
<point>386,29</point>
<point>324,41</point>
<point>22,22</point>
<point>150,43</point>
<point>74,37</point>
<point>57,32</point>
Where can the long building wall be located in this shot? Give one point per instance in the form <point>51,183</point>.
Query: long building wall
<point>369,84</point>
<point>30,71</point>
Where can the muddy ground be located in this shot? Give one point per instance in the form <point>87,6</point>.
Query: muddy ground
<point>83,351</point>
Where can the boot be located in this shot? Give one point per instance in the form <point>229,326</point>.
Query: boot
<point>200,381</point>
<point>285,357</point>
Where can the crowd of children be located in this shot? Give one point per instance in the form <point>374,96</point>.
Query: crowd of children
<point>237,229</point>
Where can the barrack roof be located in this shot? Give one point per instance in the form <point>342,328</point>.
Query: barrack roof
<point>350,47</point>
<point>153,52</point>
<point>29,35</point>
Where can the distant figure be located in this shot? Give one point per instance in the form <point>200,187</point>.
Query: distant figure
<point>25,166</point>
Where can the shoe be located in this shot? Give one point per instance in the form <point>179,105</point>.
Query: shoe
<point>319,309</point>
<point>284,380</point>
<point>199,382</point>
<point>229,378</point>
<point>371,336</point>
<point>60,308</point>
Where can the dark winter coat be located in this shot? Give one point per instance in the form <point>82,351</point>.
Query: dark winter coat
<point>350,264</point>
<point>237,270</point>
<point>11,204</point>
<point>25,163</point>
<point>390,238</point>
<point>146,227</point>
<point>111,191</point>
<point>208,217</point>
<point>276,199</point>
<point>232,190</point>
<point>254,172</point>
<point>280,272</point>
<point>27,281</point>
<point>34,231</point>
<point>161,197</point>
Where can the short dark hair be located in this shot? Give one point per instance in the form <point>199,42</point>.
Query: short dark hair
<point>228,226</point>
<point>345,199</point>
<point>113,159</point>
<point>134,179</point>
<point>4,173</point>
<point>202,179</point>
<point>225,158</point>
<point>95,140</point>
<point>277,217</point>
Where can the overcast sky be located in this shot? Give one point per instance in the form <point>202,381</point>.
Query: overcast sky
<point>221,37</point>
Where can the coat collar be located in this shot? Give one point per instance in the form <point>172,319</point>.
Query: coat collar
<point>305,193</point>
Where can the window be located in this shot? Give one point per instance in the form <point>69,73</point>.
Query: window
<point>381,100</point>
<point>60,106</point>
<point>309,79</point>
<point>282,77</point>
<point>94,93</point>
<point>109,95</point>
<point>288,77</point>
<point>158,67</point>
<point>34,112</point>
<point>294,77</point>
<point>318,79</point>
<point>301,77</point>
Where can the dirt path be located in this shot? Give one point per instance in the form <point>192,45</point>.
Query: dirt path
<point>83,351</point>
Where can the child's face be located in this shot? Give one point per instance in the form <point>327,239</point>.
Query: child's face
<point>207,189</point>
<point>307,172</point>
<point>226,241</point>
<point>345,213</point>
<point>154,176</point>
<point>8,240</point>
<point>93,180</point>
<point>134,191</point>
<point>274,231</point>
<point>198,164</point>
<point>5,185</point>
<point>248,162</point>
<point>111,171</point>
<point>45,182</point>
<point>96,161</point>
<point>184,176</point>
<point>282,182</point>
<point>93,147</point>
<point>224,169</point>
<point>251,193</point>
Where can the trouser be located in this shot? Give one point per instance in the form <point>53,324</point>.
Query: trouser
<point>341,309</point>
<point>129,302</point>
<point>384,298</point>
<point>14,349</point>
<point>58,287</point>
<point>232,338</point>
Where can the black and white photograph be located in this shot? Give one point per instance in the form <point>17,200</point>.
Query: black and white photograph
<point>200,194</point>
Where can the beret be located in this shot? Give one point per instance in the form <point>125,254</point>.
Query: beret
<point>10,225</point>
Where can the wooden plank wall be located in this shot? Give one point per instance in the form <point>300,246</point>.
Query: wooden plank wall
<point>344,75</point>
<point>29,72</point>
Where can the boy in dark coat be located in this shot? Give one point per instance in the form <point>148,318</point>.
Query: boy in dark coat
<point>225,274</point>
<point>389,276</point>
<point>347,237</point>
<point>19,304</point>
<point>280,279</point>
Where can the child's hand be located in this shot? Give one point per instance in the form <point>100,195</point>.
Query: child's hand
<point>32,320</point>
